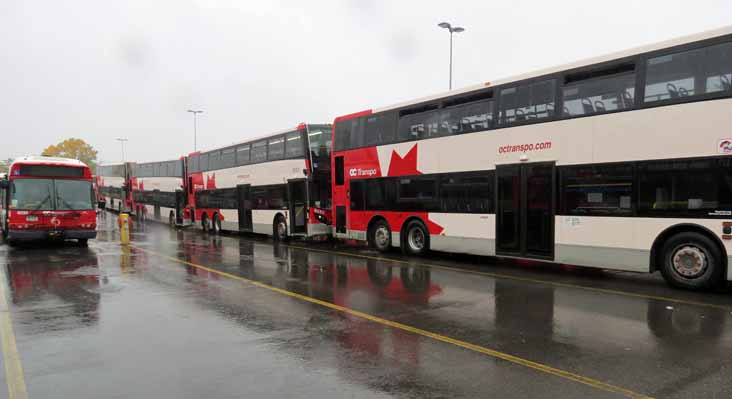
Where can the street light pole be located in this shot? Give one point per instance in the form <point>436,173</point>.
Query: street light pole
<point>195,133</point>
<point>122,141</point>
<point>451,29</point>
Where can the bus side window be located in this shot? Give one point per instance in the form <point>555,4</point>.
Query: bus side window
<point>689,73</point>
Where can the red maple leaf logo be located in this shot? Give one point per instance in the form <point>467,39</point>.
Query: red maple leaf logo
<point>404,166</point>
<point>211,182</point>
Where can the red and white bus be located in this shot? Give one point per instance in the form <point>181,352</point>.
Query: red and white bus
<point>620,162</point>
<point>158,190</point>
<point>113,182</point>
<point>277,185</point>
<point>45,197</point>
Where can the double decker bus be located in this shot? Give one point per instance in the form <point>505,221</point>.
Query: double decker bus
<point>113,183</point>
<point>46,197</point>
<point>619,162</point>
<point>277,185</point>
<point>158,190</point>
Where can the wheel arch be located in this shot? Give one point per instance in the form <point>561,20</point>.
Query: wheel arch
<point>376,218</point>
<point>656,255</point>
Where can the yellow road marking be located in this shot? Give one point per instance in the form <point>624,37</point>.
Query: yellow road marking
<point>518,278</point>
<point>11,357</point>
<point>466,345</point>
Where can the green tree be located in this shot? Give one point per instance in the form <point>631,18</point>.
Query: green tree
<point>75,149</point>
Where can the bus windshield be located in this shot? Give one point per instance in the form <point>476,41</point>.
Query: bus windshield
<point>50,194</point>
<point>73,195</point>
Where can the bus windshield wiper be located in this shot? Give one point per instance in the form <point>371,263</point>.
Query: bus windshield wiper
<point>48,197</point>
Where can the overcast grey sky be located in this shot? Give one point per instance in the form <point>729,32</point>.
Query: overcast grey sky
<point>98,70</point>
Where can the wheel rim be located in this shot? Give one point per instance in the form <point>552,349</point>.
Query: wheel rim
<point>381,236</point>
<point>689,261</point>
<point>416,239</point>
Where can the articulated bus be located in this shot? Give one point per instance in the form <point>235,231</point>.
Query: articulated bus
<point>158,190</point>
<point>277,185</point>
<point>620,162</point>
<point>47,198</point>
<point>113,185</point>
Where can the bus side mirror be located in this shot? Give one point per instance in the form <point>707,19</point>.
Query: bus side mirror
<point>3,184</point>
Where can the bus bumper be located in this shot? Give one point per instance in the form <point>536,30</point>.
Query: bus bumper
<point>32,235</point>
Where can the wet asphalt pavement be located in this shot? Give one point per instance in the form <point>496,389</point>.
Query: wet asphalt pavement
<point>177,315</point>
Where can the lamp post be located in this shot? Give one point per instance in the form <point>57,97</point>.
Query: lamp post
<point>451,29</point>
<point>122,141</point>
<point>195,133</point>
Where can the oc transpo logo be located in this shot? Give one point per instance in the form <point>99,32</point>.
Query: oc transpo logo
<point>355,172</point>
<point>725,146</point>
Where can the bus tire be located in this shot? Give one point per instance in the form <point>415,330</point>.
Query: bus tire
<point>204,222</point>
<point>691,261</point>
<point>171,219</point>
<point>416,239</point>
<point>379,236</point>
<point>216,224</point>
<point>83,242</point>
<point>279,228</point>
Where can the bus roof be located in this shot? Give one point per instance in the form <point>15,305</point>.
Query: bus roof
<point>41,160</point>
<point>727,30</point>
<point>257,138</point>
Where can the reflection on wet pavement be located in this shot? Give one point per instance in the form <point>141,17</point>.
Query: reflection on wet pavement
<point>113,322</point>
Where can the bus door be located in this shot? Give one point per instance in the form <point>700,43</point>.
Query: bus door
<point>180,203</point>
<point>244,197</point>
<point>525,213</point>
<point>297,193</point>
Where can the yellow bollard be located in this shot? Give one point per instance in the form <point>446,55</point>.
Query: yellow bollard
<point>124,228</point>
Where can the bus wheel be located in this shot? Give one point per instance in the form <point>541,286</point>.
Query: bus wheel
<point>380,236</point>
<point>418,239</point>
<point>692,261</point>
<point>216,225</point>
<point>171,219</point>
<point>280,228</point>
<point>204,222</point>
<point>83,242</point>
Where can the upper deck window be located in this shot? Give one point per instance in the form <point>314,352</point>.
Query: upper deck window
<point>193,164</point>
<point>588,93</point>
<point>689,73</point>
<point>464,118</point>
<point>276,148</point>
<point>379,129</point>
<point>349,134</point>
<point>259,151</point>
<point>228,158</point>
<point>242,155</point>
<point>203,162</point>
<point>527,102</point>
<point>214,160</point>
<point>320,139</point>
<point>294,146</point>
